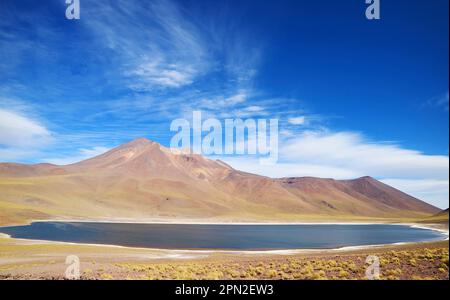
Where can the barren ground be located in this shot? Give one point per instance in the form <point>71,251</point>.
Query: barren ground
<point>25,259</point>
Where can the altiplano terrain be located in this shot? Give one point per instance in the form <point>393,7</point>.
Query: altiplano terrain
<point>144,181</point>
<point>22,259</point>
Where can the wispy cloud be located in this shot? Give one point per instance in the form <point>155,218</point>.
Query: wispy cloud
<point>167,52</point>
<point>349,150</point>
<point>440,101</point>
<point>128,68</point>
<point>82,155</point>
<point>434,191</point>
<point>347,155</point>
<point>137,65</point>
<point>20,131</point>
<point>220,102</point>
<point>22,135</point>
<point>297,120</point>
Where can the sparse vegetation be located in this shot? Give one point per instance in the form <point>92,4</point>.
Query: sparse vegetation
<point>423,264</point>
<point>417,262</point>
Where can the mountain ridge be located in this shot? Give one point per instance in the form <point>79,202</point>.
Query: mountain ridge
<point>143,179</point>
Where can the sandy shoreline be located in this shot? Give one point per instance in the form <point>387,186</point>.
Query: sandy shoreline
<point>24,260</point>
<point>37,259</point>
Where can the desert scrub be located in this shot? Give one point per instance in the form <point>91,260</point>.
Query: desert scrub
<point>318,275</point>
<point>332,263</point>
<point>259,270</point>
<point>409,264</point>
<point>87,273</point>
<point>294,263</point>
<point>308,270</point>
<point>390,277</point>
<point>215,275</point>
<point>396,261</point>
<point>233,273</point>
<point>271,274</point>
<point>428,254</point>
<point>444,259</point>
<point>106,276</point>
<point>392,274</point>
<point>383,262</point>
<point>298,275</point>
<point>416,277</point>
<point>285,268</point>
<point>343,274</point>
<point>352,267</point>
<point>285,276</point>
<point>251,272</point>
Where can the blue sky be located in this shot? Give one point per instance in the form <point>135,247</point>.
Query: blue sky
<point>354,97</point>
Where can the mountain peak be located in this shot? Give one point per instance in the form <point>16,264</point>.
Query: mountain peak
<point>365,179</point>
<point>140,141</point>
<point>137,143</point>
<point>155,181</point>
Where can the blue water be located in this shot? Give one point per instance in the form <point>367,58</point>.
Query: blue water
<point>231,237</point>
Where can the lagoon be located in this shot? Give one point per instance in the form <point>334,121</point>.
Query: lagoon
<point>224,237</point>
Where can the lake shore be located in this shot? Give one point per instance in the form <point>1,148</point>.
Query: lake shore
<point>430,225</point>
<point>26,259</point>
<point>441,228</point>
<point>35,259</point>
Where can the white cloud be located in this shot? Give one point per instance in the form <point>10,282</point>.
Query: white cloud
<point>18,130</point>
<point>346,155</point>
<point>236,99</point>
<point>253,111</point>
<point>288,169</point>
<point>168,52</point>
<point>220,102</point>
<point>254,108</point>
<point>352,151</point>
<point>438,101</point>
<point>433,191</point>
<point>161,74</point>
<point>83,154</point>
<point>297,120</point>
<point>286,133</point>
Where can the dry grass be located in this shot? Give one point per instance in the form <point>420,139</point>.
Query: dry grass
<point>428,264</point>
<point>22,259</point>
<point>429,261</point>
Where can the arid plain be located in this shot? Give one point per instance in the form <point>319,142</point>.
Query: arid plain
<point>142,181</point>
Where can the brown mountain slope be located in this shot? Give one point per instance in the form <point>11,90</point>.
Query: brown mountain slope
<point>22,170</point>
<point>443,213</point>
<point>362,196</point>
<point>441,217</point>
<point>143,180</point>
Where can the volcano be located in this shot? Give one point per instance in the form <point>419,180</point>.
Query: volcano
<point>142,180</point>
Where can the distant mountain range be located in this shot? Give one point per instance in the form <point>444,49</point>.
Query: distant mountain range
<point>143,180</point>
